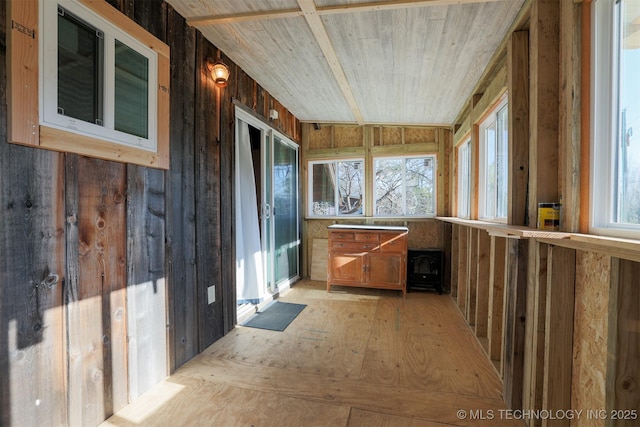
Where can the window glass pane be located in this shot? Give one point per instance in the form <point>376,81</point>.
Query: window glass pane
<point>337,188</point>
<point>464,176</point>
<point>404,186</point>
<point>79,69</point>
<point>490,171</point>
<point>419,186</point>
<point>628,145</point>
<point>388,183</point>
<point>285,219</point>
<point>131,91</point>
<point>502,163</point>
<point>323,189</point>
<point>350,179</point>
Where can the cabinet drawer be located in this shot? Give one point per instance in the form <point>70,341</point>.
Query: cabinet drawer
<point>353,246</point>
<point>395,244</point>
<point>339,235</point>
<point>367,237</point>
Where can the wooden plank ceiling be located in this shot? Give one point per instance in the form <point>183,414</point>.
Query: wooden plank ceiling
<point>348,61</point>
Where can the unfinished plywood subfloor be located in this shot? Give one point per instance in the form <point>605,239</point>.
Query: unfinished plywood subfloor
<point>352,358</point>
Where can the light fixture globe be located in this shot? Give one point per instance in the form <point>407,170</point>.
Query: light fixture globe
<point>219,71</point>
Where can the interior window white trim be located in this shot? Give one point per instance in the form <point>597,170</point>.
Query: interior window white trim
<point>605,62</point>
<point>490,119</point>
<point>464,179</point>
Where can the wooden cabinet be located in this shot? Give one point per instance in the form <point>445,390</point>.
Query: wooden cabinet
<point>368,256</point>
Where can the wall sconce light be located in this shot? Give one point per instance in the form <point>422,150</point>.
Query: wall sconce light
<point>219,71</point>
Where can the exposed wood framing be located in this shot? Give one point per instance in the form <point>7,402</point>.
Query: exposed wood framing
<point>472,277</point>
<point>474,173</point>
<point>454,259</point>
<point>585,116</point>
<point>482,285</point>
<point>623,370</point>
<point>558,344</point>
<point>518,78</point>
<point>543,106</point>
<point>463,268</point>
<point>569,109</point>
<point>514,322</point>
<point>535,329</point>
<point>496,299</point>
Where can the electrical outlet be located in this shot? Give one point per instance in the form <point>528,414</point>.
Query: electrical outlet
<point>211,294</point>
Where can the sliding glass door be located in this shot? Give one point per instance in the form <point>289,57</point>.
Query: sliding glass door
<point>285,210</point>
<point>275,160</point>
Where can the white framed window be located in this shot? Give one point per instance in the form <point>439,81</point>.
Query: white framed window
<point>404,186</point>
<point>493,164</point>
<point>336,188</point>
<point>615,159</point>
<point>96,80</point>
<point>464,179</point>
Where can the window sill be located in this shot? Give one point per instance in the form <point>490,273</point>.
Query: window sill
<point>612,246</point>
<point>508,231</point>
<point>370,218</point>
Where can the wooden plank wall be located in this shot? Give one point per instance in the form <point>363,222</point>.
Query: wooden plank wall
<point>32,280</point>
<point>181,191</point>
<point>104,267</point>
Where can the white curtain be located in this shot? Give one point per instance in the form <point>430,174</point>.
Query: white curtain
<point>249,271</point>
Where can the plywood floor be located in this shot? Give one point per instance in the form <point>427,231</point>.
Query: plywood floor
<point>352,358</point>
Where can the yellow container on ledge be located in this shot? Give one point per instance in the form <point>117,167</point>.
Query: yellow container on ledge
<point>549,216</point>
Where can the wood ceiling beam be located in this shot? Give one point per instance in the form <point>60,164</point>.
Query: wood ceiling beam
<point>392,5</point>
<point>326,10</point>
<point>322,37</point>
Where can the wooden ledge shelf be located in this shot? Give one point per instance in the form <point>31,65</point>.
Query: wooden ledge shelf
<point>616,247</point>
<point>508,231</point>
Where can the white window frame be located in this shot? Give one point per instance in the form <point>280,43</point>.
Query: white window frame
<point>604,123</point>
<point>404,206</point>
<point>310,212</point>
<point>464,179</point>
<point>48,100</point>
<point>482,164</point>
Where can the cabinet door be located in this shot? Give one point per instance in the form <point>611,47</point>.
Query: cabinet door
<point>386,270</point>
<point>347,268</point>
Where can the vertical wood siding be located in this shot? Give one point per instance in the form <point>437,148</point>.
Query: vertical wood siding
<point>104,267</point>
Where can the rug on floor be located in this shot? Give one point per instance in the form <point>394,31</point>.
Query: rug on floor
<point>275,317</point>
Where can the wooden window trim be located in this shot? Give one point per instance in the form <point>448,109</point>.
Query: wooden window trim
<point>23,89</point>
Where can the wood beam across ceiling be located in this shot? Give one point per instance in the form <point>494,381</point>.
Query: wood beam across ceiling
<point>322,38</point>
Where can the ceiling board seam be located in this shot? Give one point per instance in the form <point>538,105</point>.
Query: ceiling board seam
<point>392,5</point>
<point>199,21</point>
